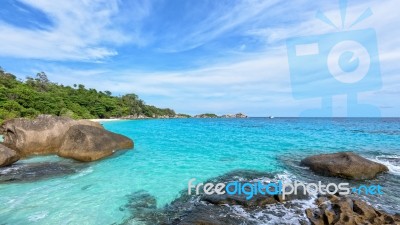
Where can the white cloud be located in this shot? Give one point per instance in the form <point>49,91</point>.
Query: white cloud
<point>82,31</point>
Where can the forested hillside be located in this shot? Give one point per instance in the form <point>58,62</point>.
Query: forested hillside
<point>38,95</point>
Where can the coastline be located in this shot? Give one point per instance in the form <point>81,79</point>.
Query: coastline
<point>103,120</point>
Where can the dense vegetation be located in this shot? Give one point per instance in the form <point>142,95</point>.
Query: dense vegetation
<point>38,95</point>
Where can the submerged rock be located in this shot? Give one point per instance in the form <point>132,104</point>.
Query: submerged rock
<point>214,209</point>
<point>87,143</point>
<point>7,156</point>
<point>213,215</point>
<point>332,210</point>
<point>28,172</point>
<point>344,164</point>
<point>82,140</point>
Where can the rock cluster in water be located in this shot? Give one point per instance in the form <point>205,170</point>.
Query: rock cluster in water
<point>344,164</point>
<point>81,140</point>
<point>341,210</point>
<point>235,209</point>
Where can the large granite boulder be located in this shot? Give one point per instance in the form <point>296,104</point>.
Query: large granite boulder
<point>39,136</point>
<point>88,143</point>
<point>335,210</point>
<point>82,140</point>
<point>7,156</point>
<point>344,164</point>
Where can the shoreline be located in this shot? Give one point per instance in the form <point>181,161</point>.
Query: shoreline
<point>103,120</point>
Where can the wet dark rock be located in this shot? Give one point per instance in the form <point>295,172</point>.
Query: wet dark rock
<point>258,200</point>
<point>29,172</point>
<point>212,215</point>
<point>141,199</point>
<point>344,164</point>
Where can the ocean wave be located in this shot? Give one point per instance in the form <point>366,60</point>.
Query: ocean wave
<point>391,161</point>
<point>292,212</point>
<point>285,177</point>
<point>13,168</point>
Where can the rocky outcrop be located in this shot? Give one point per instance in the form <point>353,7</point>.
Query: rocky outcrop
<point>344,164</point>
<point>87,143</point>
<point>7,156</point>
<point>135,116</point>
<point>206,115</point>
<point>50,134</point>
<point>237,115</point>
<point>335,210</point>
<point>39,136</point>
<point>212,115</point>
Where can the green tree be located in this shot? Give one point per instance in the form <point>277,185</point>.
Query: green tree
<point>40,96</point>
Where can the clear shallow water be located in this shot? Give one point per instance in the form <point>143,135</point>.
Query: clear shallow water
<point>170,152</point>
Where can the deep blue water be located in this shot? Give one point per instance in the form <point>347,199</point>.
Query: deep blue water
<point>169,152</point>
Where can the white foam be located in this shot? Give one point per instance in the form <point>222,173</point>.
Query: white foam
<point>277,213</point>
<point>391,161</point>
<point>285,177</point>
<point>268,215</point>
<point>7,170</point>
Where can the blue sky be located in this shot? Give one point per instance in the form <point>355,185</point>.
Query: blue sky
<point>193,56</point>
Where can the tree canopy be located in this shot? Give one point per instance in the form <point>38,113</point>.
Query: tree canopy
<point>38,95</point>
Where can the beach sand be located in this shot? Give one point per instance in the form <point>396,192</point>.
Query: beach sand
<point>103,120</point>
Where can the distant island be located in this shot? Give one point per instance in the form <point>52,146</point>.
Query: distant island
<point>212,115</point>
<point>38,95</point>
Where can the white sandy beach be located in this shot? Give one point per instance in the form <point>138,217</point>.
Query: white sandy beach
<point>103,120</point>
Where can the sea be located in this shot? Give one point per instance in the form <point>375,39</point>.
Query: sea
<point>170,152</point>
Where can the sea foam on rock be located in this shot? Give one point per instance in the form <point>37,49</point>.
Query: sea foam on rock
<point>229,210</point>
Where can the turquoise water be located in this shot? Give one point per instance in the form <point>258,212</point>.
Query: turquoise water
<point>170,152</point>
